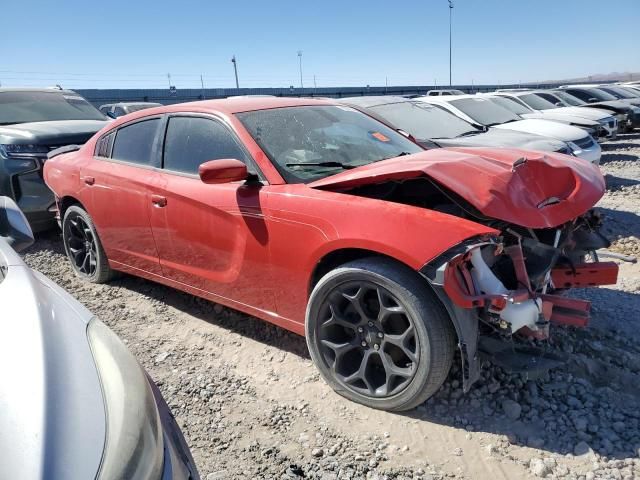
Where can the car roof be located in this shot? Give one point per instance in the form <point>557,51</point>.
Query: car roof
<point>375,100</point>
<point>564,87</point>
<point>513,93</point>
<point>226,106</point>
<point>134,103</point>
<point>449,98</point>
<point>43,90</point>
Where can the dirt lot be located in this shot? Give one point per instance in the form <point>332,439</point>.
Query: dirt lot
<point>252,405</point>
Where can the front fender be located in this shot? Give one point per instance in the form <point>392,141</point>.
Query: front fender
<point>307,225</point>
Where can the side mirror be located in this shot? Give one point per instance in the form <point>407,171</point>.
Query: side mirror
<point>559,104</point>
<point>223,171</point>
<point>592,100</point>
<point>112,115</point>
<point>14,227</point>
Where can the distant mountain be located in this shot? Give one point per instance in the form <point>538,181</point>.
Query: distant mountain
<point>600,77</point>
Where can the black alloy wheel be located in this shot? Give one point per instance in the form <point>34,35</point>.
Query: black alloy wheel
<point>378,335</point>
<point>368,339</point>
<point>83,246</point>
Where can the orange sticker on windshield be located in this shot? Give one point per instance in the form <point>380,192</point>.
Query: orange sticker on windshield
<point>379,136</point>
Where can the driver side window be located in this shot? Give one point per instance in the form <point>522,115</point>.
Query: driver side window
<point>191,141</point>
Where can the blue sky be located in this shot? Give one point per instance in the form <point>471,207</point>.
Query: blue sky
<point>135,43</point>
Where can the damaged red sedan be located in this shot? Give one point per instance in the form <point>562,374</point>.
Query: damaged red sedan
<point>318,218</point>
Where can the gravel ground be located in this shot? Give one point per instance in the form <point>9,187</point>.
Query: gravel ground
<point>252,405</point>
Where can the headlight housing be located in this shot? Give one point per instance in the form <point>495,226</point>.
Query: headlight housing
<point>16,149</point>
<point>134,446</point>
<point>575,149</point>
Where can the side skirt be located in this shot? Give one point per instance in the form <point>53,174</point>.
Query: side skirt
<point>271,317</point>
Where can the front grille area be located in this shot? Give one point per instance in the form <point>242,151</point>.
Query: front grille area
<point>584,143</point>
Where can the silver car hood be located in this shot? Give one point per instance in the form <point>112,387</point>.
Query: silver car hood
<point>498,137</point>
<point>52,415</point>
<point>564,117</point>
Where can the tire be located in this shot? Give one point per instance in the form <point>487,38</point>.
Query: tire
<point>377,301</point>
<point>83,247</point>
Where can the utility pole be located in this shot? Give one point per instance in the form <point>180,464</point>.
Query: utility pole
<point>300,58</point>
<point>235,70</point>
<point>315,86</point>
<point>169,78</point>
<point>386,84</point>
<point>450,14</point>
<point>202,85</point>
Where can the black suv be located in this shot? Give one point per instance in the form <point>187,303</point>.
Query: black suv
<point>32,123</point>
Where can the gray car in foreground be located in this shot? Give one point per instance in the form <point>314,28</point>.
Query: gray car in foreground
<point>74,403</point>
<point>433,126</point>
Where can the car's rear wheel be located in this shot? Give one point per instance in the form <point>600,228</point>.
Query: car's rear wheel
<point>378,335</point>
<point>83,246</point>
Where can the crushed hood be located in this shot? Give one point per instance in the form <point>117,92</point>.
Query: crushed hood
<point>526,188</point>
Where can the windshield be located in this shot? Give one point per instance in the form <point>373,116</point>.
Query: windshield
<point>424,121</point>
<point>600,94</point>
<point>484,111</point>
<point>511,105</point>
<point>23,107</point>
<point>307,143</point>
<point>618,92</point>
<point>537,102</point>
<point>568,98</point>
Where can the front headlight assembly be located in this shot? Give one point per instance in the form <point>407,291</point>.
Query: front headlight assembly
<point>134,447</point>
<point>575,149</point>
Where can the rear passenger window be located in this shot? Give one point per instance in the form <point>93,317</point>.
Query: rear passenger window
<point>191,141</point>
<point>103,146</point>
<point>134,142</point>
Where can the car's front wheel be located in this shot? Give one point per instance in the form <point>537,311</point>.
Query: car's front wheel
<point>83,247</point>
<point>378,335</point>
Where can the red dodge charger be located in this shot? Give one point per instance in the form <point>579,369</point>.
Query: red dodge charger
<point>315,217</point>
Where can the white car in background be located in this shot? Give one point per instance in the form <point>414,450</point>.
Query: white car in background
<point>483,111</point>
<point>448,91</point>
<point>531,104</point>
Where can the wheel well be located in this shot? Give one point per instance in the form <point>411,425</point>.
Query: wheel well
<point>66,202</point>
<point>339,257</point>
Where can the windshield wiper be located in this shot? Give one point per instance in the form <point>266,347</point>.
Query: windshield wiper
<point>344,166</point>
<point>470,132</point>
<point>401,154</point>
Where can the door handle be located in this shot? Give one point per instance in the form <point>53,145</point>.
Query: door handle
<point>89,180</point>
<point>159,201</point>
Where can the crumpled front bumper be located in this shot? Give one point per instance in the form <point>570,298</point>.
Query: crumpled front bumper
<point>559,309</point>
<point>450,276</point>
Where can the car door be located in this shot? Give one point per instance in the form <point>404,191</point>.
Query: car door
<point>117,180</point>
<point>211,237</point>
